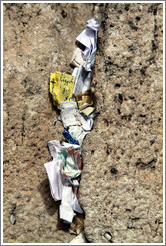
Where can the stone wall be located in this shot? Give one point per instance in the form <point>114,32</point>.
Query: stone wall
<point>121,185</point>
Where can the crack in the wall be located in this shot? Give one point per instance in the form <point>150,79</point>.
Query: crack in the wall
<point>23,126</point>
<point>107,170</point>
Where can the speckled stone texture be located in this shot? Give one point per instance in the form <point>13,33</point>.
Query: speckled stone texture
<point>121,185</point>
<point>38,39</point>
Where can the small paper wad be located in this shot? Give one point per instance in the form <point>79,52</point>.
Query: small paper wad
<point>61,87</point>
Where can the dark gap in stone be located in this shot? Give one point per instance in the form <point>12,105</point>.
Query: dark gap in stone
<point>64,14</point>
<point>127,7</point>
<point>118,111</point>
<point>154,46</point>
<point>117,85</point>
<point>137,18</point>
<point>131,97</point>
<point>152,142</point>
<point>120,98</point>
<point>114,171</point>
<point>143,71</point>
<point>132,25</point>
<point>142,115</point>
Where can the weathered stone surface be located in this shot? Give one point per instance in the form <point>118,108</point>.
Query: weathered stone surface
<point>121,185</point>
<point>38,39</point>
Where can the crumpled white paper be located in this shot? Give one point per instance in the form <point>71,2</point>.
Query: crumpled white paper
<point>62,184</point>
<point>68,204</point>
<point>61,188</point>
<point>88,37</point>
<point>78,133</point>
<point>69,114</point>
<point>66,211</point>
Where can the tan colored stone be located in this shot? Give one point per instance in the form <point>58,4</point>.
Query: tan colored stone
<point>122,175</point>
<point>38,39</point>
<point>121,185</point>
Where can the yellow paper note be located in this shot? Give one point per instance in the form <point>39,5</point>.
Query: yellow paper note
<point>61,87</point>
